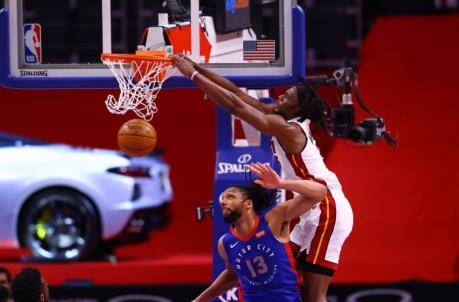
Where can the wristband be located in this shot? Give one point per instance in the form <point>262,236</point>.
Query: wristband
<point>194,74</point>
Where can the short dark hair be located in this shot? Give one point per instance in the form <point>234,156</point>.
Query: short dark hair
<point>27,285</point>
<point>6,272</point>
<point>262,198</point>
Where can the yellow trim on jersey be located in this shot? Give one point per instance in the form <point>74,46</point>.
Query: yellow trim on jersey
<point>298,167</point>
<point>325,229</point>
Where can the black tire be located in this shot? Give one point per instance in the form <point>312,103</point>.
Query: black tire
<point>60,224</point>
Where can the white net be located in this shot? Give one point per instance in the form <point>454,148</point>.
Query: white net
<point>139,82</point>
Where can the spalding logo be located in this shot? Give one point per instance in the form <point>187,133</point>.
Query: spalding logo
<point>244,158</point>
<point>240,167</point>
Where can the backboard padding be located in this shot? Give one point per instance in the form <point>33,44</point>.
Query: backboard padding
<point>283,71</point>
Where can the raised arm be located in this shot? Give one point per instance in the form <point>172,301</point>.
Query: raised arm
<point>217,79</point>
<point>226,84</point>
<point>271,124</point>
<point>225,281</point>
<point>311,193</point>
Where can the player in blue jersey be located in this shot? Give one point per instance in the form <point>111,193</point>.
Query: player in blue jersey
<point>256,250</point>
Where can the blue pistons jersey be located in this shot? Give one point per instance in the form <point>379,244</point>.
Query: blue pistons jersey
<point>264,265</point>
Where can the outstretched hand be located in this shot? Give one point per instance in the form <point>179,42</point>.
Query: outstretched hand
<point>269,179</point>
<point>184,64</point>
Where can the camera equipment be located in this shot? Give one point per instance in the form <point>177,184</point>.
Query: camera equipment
<point>201,211</point>
<point>178,11</point>
<point>342,119</point>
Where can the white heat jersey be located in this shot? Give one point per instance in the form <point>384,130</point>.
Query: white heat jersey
<point>322,230</point>
<point>306,164</point>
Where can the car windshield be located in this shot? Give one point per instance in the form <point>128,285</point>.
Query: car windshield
<point>8,140</point>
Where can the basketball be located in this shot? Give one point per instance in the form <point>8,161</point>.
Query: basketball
<point>137,137</point>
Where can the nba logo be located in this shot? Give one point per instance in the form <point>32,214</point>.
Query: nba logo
<point>32,43</point>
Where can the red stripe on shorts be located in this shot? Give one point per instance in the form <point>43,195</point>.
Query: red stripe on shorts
<point>319,245</point>
<point>321,239</point>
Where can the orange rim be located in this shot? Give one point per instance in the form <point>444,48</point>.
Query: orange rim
<point>129,58</point>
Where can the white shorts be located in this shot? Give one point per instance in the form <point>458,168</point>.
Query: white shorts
<point>321,231</point>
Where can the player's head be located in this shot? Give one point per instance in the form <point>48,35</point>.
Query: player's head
<point>302,101</point>
<point>239,200</point>
<point>5,278</point>
<point>29,286</point>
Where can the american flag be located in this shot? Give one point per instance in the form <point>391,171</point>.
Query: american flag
<point>259,50</point>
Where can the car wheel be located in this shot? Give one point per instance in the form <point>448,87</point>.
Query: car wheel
<point>60,224</point>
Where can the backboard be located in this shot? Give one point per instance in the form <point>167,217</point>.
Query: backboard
<point>57,44</point>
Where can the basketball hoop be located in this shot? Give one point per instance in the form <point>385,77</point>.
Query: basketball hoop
<point>140,77</point>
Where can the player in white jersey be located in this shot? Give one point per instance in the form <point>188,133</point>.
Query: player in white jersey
<point>322,230</point>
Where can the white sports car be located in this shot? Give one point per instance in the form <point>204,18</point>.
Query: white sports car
<point>62,202</point>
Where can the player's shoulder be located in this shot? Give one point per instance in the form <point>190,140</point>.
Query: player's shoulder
<point>222,238</point>
<point>284,128</point>
<point>297,123</point>
<point>296,126</point>
<point>300,128</point>
<point>221,246</point>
